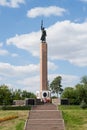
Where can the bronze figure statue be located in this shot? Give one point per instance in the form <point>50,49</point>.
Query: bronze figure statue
<point>43,37</point>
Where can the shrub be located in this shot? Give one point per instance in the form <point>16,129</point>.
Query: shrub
<point>16,108</point>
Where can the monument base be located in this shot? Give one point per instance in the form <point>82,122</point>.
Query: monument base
<point>38,94</point>
<point>44,95</point>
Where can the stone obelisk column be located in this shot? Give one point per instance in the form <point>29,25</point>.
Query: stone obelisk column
<point>43,67</point>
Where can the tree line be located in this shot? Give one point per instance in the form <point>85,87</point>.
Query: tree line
<point>8,95</point>
<point>75,94</point>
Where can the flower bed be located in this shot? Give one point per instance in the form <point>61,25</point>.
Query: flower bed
<point>8,118</point>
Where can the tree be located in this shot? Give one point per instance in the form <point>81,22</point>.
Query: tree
<point>76,94</point>
<point>21,95</point>
<point>5,95</point>
<point>8,95</point>
<point>84,83</point>
<point>84,80</point>
<point>26,94</point>
<point>56,86</point>
<point>17,94</point>
<point>71,94</point>
<point>80,90</point>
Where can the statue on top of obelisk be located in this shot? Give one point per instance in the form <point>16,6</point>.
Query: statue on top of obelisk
<point>43,36</point>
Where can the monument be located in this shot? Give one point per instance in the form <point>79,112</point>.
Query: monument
<point>44,92</point>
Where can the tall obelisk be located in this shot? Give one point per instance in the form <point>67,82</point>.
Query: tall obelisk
<point>43,67</point>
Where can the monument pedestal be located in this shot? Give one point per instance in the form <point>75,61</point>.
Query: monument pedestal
<point>43,94</point>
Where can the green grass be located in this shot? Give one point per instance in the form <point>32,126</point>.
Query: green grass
<point>75,118</point>
<point>14,124</point>
<point>20,125</point>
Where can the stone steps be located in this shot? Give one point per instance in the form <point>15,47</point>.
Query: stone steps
<point>45,114</point>
<point>45,121</point>
<point>45,117</point>
<point>45,107</point>
<point>45,127</point>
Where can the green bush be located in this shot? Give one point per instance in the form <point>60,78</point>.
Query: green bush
<point>16,108</point>
<point>83,104</point>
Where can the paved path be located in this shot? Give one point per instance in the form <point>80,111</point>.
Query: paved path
<point>45,117</point>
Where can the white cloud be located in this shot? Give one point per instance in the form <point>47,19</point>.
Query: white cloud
<point>46,11</point>
<point>7,69</point>
<point>29,42</point>
<point>67,80</point>
<point>66,41</point>
<point>1,79</point>
<point>3,52</point>
<point>70,80</point>
<point>33,83</point>
<point>13,76</point>
<point>52,66</point>
<point>14,54</point>
<point>11,3</point>
<point>27,76</point>
<point>1,44</point>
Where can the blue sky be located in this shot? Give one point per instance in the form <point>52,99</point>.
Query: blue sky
<point>66,25</point>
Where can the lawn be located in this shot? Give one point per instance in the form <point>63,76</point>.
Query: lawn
<point>75,118</point>
<point>13,124</point>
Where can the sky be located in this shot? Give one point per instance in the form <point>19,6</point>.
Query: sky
<point>65,22</point>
